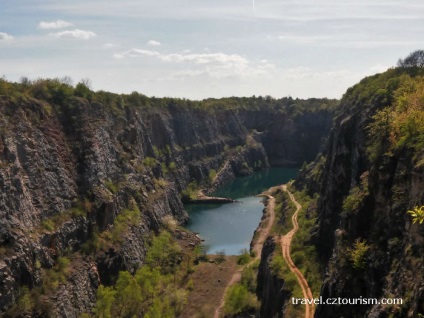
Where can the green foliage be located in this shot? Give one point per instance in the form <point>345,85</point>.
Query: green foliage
<point>212,176</point>
<point>401,124</point>
<point>111,186</point>
<point>417,214</point>
<point>54,222</point>
<point>355,200</point>
<point>239,299</point>
<point>190,193</point>
<point>121,224</point>
<point>157,152</point>
<point>317,168</point>
<point>82,89</point>
<point>25,302</point>
<point>152,291</point>
<point>190,285</point>
<point>302,251</point>
<point>58,274</point>
<point>277,264</point>
<point>149,162</point>
<point>105,299</point>
<point>244,258</point>
<point>249,277</point>
<point>358,254</point>
<point>163,254</point>
<point>48,225</point>
<point>173,166</point>
<point>164,168</point>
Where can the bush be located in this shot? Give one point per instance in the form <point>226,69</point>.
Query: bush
<point>58,274</point>
<point>48,225</point>
<point>111,186</point>
<point>173,166</point>
<point>212,176</point>
<point>243,258</point>
<point>164,168</point>
<point>239,299</point>
<point>149,162</point>
<point>357,254</point>
<point>248,278</point>
<point>220,257</point>
<point>190,193</point>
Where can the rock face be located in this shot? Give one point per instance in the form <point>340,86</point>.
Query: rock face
<point>380,192</point>
<point>69,170</point>
<point>270,288</point>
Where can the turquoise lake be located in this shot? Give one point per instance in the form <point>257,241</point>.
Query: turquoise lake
<point>230,227</point>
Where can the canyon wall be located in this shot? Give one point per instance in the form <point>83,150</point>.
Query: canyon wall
<point>367,178</point>
<point>87,181</point>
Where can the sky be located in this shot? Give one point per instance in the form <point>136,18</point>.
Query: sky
<point>198,49</point>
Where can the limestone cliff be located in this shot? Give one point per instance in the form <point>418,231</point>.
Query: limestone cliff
<point>86,180</point>
<point>367,178</point>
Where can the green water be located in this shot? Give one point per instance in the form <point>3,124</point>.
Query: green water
<point>230,227</point>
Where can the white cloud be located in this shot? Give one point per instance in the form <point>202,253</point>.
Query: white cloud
<point>153,43</point>
<point>74,34</point>
<point>215,65</point>
<point>109,45</point>
<point>5,36</point>
<point>205,58</point>
<point>58,24</point>
<point>135,53</point>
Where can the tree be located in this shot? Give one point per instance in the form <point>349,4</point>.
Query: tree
<point>163,254</point>
<point>358,254</point>
<point>415,59</point>
<point>105,299</point>
<point>128,298</point>
<point>82,89</point>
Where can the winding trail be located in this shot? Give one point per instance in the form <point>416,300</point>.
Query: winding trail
<point>285,247</point>
<point>257,247</point>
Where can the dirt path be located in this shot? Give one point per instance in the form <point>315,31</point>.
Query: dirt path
<point>257,247</point>
<point>220,171</point>
<point>285,246</point>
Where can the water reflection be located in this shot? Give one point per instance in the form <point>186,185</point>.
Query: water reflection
<point>230,227</point>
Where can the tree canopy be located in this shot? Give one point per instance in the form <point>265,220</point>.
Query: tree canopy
<point>415,59</point>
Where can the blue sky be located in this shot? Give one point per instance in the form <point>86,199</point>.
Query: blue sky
<point>201,48</point>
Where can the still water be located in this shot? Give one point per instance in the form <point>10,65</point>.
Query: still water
<point>229,227</point>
